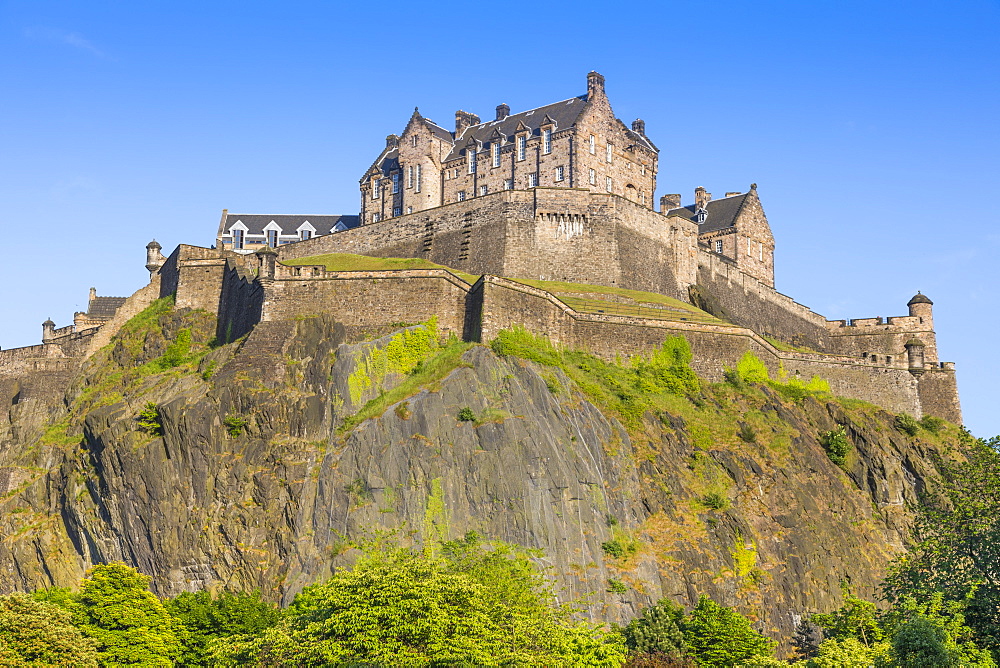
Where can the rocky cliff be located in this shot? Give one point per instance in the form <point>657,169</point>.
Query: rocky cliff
<point>261,460</point>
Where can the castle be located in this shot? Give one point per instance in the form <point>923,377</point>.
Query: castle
<point>545,219</point>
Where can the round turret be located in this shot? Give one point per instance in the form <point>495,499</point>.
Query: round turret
<point>154,258</point>
<point>267,257</point>
<point>48,330</point>
<point>921,307</point>
<point>915,355</point>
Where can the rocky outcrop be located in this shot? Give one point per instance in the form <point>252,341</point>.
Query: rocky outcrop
<point>256,482</point>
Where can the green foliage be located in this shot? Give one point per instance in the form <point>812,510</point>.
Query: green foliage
<point>127,622</point>
<point>836,445</point>
<point>474,604</point>
<point>847,653</point>
<point>616,586</point>
<point>920,643</point>
<point>207,618</point>
<point>629,391</point>
<point>178,350</point>
<point>235,425</point>
<point>715,500</point>
<point>466,415</point>
<point>402,354</point>
<point>744,556</point>
<point>906,424</point>
<point>36,633</point>
<point>751,370</point>
<point>209,370</point>
<point>932,631</point>
<point>719,636</point>
<point>932,424</point>
<point>658,629</point>
<point>747,433</point>
<point>149,419</point>
<point>856,619</point>
<point>622,544</point>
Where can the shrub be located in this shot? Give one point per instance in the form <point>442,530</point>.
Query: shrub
<point>235,425</point>
<point>178,351</point>
<point>747,433</point>
<point>836,445</point>
<point>751,370</point>
<point>720,636</point>
<point>715,501</point>
<point>617,586</point>
<point>622,546</point>
<point>466,415</point>
<point>905,423</point>
<point>657,630</point>
<point>931,423</point>
<point>149,419</point>
<point>209,370</point>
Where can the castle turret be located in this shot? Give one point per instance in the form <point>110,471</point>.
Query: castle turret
<point>267,257</point>
<point>915,355</point>
<point>922,307</point>
<point>48,330</point>
<point>154,258</point>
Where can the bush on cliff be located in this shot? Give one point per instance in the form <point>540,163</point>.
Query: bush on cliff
<point>471,604</point>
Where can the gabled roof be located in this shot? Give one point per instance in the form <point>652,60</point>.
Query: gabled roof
<point>104,307</point>
<point>563,114</point>
<point>721,213</point>
<point>289,224</point>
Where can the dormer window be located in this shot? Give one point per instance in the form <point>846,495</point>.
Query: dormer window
<point>496,153</point>
<point>700,216</point>
<point>237,239</point>
<point>471,153</point>
<point>305,234</point>
<point>272,238</point>
<point>522,147</point>
<point>377,189</point>
<point>547,141</point>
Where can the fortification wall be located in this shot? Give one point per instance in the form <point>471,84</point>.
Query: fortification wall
<point>939,393</point>
<point>241,302</point>
<point>864,337</point>
<point>132,307</point>
<point>748,302</point>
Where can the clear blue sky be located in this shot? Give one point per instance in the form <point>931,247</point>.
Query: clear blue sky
<point>870,127</point>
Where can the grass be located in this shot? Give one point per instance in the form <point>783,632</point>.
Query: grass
<point>665,308</point>
<point>788,347</point>
<point>351,262</point>
<point>425,375</point>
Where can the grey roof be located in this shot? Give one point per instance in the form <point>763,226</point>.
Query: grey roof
<point>104,307</point>
<point>721,213</point>
<point>919,298</point>
<point>289,224</point>
<point>439,131</point>
<point>563,114</point>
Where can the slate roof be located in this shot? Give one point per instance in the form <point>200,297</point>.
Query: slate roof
<point>104,308</point>
<point>721,213</point>
<point>289,224</point>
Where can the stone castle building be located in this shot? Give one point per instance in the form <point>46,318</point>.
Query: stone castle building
<point>512,209</point>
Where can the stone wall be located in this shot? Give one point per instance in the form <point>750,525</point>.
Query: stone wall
<point>865,337</point>
<point>939,393</point>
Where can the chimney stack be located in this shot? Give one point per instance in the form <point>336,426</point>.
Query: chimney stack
<point>464,119</point>
<point>701,198</point>
<point>595,85</point>
<point>392,141</point>
<point>733,194</point>
<point>668,202</point>
<point>639,126</point>
<point>503,111</point>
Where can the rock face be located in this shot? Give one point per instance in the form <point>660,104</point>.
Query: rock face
<point>256,482</point>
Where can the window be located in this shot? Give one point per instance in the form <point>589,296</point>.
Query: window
<point>418,178</point>
<point>305,234</point>
<point>607,183</point>
<point>272,238</point>
<point>496,153</point>
<point>888,359</point>
<point>377,189</point>
<point>413,141</point>
<point>547,141</point>
<point>484,190</point>
<point>522,144</point>
<point>471,152</point>
<point>409,176</point>
<point>532,179</point>
<point>749,247</point>
<point>409,209</point>
<point>760,252</point>
<point>593,144</point>
<point>461,195</point>
<point>237,238</point>
<point>608,158</point>
<point>642,170</point>
<point>718,247</point>
<point>559,173</point>
<point>593,178</point>
<point>642,198</point>
<point>395,182</point>
<point>376,217</point>
<point>508,184</point>
<point>397,211</point>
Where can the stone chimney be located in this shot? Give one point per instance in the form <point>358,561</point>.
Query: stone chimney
<point>701,198</point>
<point>154,258</point>
<point>733,194</point>
<point>503,111</point>
<point>392,141</point>
<point>93,296</point>
<point>668,202</point>
<point>639,126</point>
<point>595,85</point>
<point>464,119</point>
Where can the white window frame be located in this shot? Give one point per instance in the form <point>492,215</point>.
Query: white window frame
<point>607,182</point>
<point>593,177</point>
<point>471,158</point>
<point>377,189</point>
<point>376,217</point>
<point>522,147</point>
<point>609,152</point>
<point>409,176</point>
<point>547,141</point>
<point>461,196</point>
<point>395,183</point>
<point>496,153</point>
<point>508,184</point>
<point>533,180</point>
<point>409,209</point>
<point>560,173</point>
<point>484,190</point>
<point>593,145</point>
<point>417,188</point>
<point>239,238</point>
<point>718,247</point>
<point>761,252</point>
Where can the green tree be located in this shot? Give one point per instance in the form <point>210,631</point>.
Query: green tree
<point>658,629</point>
<point>720,636</point>
<point>479,604</point>
<point>36,633</point>
<point>856,619</point>
<point>127,622</point>
<point>846,653</point>
<point>207,618</point>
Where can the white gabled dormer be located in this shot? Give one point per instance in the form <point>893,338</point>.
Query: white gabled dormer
<point>306,230</point>
<point>271,233</point>
<point>238,233</point>
<point>339,227</point>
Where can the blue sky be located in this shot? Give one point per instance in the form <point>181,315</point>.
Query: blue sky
<point>869,127</point>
